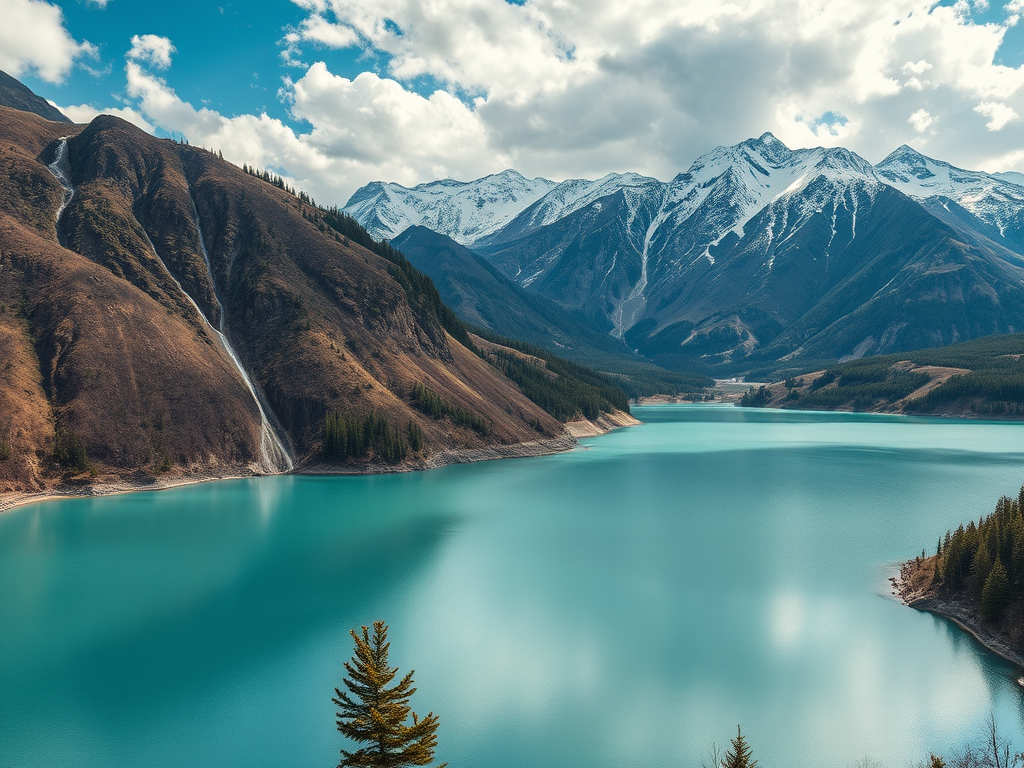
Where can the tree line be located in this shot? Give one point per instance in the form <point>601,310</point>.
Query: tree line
<point>433,405</point>
<point>984,561</point>
<point>370,436</point>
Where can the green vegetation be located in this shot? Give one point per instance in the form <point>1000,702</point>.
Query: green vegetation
<point>994,386</point>
<point>415,436</point>
<point>740,756</point>
<point>755,398</point>
<point>862,384</point>
<point>374,712</point>
<point>69,452</point>
<point>436,407</point>
<point>5,451</point>
<point>363,437</point>
<point>564,389</point>
<point>271,178</point>
<point>983,563</point>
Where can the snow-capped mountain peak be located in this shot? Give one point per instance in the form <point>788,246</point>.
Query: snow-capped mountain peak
<point>465,211</point>
<point>996,201</point>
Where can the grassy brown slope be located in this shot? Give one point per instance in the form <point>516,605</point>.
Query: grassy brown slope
<point>99,359</point>
<point>108,347</point>
<point>325,325</point>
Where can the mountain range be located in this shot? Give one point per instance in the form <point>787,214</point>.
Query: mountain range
<point>757,254</point>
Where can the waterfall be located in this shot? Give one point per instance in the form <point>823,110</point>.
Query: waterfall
<point>273,452</point>
<point>62,172</point>
<point>274,457</point>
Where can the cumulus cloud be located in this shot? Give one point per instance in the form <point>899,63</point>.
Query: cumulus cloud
<point>151,49</point>
<point>84,113</point>
<point>1014,10</point>
<point>33,39</point>
<point>571,89</point>
<point>999,114</point>
<point>921,120</point>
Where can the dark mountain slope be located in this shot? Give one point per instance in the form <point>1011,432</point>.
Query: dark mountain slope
<point>483,297</point>
<point>16,95</point>
<point>127,362</point>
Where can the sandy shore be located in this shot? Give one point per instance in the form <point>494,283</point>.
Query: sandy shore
<point>917,593</point>
<point>114,486</point>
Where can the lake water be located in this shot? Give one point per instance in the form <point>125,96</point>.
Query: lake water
<point>623,605</point>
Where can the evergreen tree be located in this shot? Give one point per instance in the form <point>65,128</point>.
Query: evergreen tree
<point>374,712</point>
<point>740,755</point>
<point>995,595</point>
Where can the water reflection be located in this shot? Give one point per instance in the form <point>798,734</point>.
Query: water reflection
<point>622,605</point>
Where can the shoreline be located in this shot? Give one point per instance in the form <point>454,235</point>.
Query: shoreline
<point>565,442</point>
<point>923,599</point>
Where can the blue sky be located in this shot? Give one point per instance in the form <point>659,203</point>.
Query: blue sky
<point>408,91</point>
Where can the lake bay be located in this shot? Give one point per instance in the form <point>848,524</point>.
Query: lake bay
<point>625,604</point>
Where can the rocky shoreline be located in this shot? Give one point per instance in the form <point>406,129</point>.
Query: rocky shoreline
<point>118,485</point>
<point>913,586</point>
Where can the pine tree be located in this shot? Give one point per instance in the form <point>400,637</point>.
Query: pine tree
<point>740,755</point>
<point>375,714</point>
<point>996,593</point>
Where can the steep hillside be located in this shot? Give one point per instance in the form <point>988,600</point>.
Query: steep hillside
<point>16,95</point>
<point>168,312</point>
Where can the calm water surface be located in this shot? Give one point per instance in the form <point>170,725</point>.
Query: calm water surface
<point>624,605</point>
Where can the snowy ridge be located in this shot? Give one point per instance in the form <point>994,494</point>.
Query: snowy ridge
<point>465,211</point>
<point>575,194</point>
<point>995,199</point>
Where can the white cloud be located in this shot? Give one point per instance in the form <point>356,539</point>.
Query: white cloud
<point>84,113</point>
<point>319,30</point>
<point>999,114</point>
<point>151,49</point>
<point>1014,10</point>
<point>98,3</point>
<point>921,120</point>
<point>386,131</point>
<point>570,89</point>
<point>33,39</point>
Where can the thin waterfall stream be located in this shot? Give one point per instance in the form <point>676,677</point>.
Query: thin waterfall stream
<point>62,172</point>
<point>274,456</point>
<point>272,448</point>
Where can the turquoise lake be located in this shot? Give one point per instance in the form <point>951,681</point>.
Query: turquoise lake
<point>626,604</point>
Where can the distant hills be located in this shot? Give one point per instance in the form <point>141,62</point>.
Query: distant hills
<point>757,255</point>
<point>982,378</point>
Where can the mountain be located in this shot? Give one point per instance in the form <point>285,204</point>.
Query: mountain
<point>163,311</point>
<point>483,297</point>
<point>759,252</point>
<point>465,211</point>
<point>996,203</point>
<point>16,95</point>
